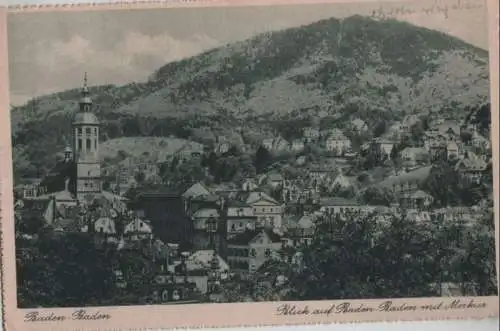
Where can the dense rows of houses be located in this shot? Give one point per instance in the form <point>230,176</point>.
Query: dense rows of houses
<point>206,234</point>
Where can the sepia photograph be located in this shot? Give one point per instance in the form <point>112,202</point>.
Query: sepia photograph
<point>246,154</point>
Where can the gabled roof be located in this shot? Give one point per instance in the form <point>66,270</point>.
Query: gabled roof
<point>248,236</point>
<point>446,126</point>
<point>421,195</point>
<point>305,222</point>
<point>66,225</point>
<point>254,197</point>
<point>64,195</point>
<point>419,175</point>
<point>106,224</point>
<point>196,190</point>
<point>337,201</point>
<point>237,204</point>
<point>138,225</point>
<point>203,259</point>
<point>471,162</point>
<point>275,177</point>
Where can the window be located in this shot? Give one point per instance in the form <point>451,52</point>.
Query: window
<point>89,144</point>
<point>268,253</point>
<point>211,225</point>
<point>95,131</point>
<point>253,252</point>
<point>80,144</point>
<point>79,131</point>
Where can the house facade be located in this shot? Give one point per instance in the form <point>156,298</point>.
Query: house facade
<point>250,250</point>
<point>268,211</point>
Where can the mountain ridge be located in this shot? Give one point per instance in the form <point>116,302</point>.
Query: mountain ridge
<point>334,69</point>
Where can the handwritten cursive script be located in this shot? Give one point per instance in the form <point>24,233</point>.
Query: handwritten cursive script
<point>438,7</point>
<point>84,315</point>
<point>384,306</point>
<point>36,316</point>
<point>80,314</point>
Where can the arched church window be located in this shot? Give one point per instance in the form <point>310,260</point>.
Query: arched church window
<point>89,144</point>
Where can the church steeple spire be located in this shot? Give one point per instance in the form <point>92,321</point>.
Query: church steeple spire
<point>86,101</point>
<point>86,146</point>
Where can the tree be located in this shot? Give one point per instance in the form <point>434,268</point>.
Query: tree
<point>30,224</point>
<point>63,271</point>
<point>466,137</point>
<point>378,196</point>
<point>442,184</point>
<point>131,194</point>
<point>122,155</point>
<point>372,260</point>
<point>379,128</point>
<point>262,159</point>
<point>417,133</point>
<point>140,177</point>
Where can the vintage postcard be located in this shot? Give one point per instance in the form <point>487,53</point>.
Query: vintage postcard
<point>243,163</point>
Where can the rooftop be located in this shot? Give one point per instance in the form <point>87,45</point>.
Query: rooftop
<point>417,175</point>
<point>85,118</point>
<point>246,237</point>
<point>337,201</point>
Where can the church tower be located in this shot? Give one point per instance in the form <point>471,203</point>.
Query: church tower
<point>86,147</point>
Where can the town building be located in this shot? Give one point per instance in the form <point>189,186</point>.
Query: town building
<point>311,134</point>
<point>77,179</point>
<point>300,230</point>
<point>298,145</point>
<point>383,147</point>
<point>413,156</point>
<point>251,249</point>
<point>336,205</point>
<point>338,143</point>
<point>268,211</point>
<point>239,217</point>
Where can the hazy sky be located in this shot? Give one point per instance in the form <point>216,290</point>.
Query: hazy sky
<point>49,51</point>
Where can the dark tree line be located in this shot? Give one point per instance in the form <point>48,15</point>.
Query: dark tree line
<point>358,258</point>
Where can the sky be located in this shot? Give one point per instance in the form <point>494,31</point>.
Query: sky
<point>49,51</point>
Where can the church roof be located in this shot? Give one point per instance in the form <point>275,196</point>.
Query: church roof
<point>86,118</point>
<point>64,195</point>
